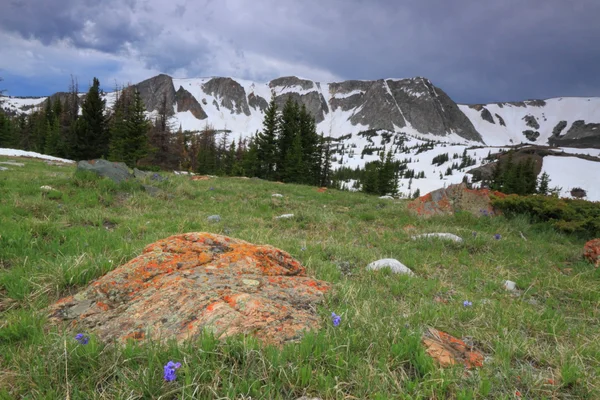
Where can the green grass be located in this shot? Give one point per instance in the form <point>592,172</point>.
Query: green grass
<point>544,343</point>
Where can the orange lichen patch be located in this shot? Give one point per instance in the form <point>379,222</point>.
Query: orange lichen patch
<point>591,251</point>
<point>136,335</point>
<point>200,178</point>
<point>446,201</point>
<point>184,284</point>
<point>448,350</point>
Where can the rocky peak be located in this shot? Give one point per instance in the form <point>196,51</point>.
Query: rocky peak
<point>154,90</point>
<point>291,82</point>
<point>230,94</point>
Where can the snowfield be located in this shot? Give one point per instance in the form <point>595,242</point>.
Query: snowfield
<point>32,154</point>
<point>571,172</point>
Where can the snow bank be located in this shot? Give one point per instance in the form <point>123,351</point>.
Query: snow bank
<point>22,153</point>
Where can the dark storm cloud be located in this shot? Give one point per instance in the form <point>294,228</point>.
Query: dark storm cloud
<point>475,50</point>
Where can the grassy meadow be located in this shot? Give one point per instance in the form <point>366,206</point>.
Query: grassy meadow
<point>543,343</point>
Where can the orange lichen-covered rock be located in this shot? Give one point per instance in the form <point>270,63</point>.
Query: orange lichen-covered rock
<point>448,350</point>
<point>591,251</point>
<point>184,284</point>
<point>454,198</point>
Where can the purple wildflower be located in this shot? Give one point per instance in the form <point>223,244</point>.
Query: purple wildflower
<point>82,339</point>
<point>336,319</point>
<point>212,188</point>
<point>170,371</point>
<point>467,303</point>
<point>303,249</point>
<point>474,234</point>
<point>497,236</point>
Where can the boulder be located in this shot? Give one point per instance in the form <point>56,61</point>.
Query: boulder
<point>116,171</point>
<point>185,284</point>
<point>591,251</point>
<point>396,266</point>
<point>447,201</point>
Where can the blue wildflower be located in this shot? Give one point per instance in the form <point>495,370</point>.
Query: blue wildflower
<point>82,339</point>
<point>170,371</point>
<point>336,319</point>
<point>497,236</point>
<point>212,188</point>
<point>467,303</point>
<point>303,249</point>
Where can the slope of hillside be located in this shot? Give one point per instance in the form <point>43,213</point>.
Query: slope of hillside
<point>534,121</point>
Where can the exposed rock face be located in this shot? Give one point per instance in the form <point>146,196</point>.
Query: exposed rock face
<point>155,91</point>
<point>230,93</point>
<point>531,135</point>
<point>531,121</point>
<point>257,102</point>
<point>303,92</point>
<point>486,115</point>
<point>501,120</point>
<point>429,109</point>
<point>184,284</point>
<point>579,134</point>
<point>559,128</point>
<point>454,198</point>
<point>187,102</point>
<point>379,109</point>
<point>591,251</point>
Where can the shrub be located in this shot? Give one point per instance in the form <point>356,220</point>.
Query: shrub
<point>575,216</point>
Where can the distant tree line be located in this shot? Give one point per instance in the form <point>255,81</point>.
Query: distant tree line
<point>288,148</point>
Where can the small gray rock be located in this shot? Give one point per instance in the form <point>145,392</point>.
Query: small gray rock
<point>396,266</point>
<point>285,216</point>
<point>3,169</point>
<point>214,218</point>
<point>446,236</point>
<point>386,197</point>
<point>276,195</point>
<point>510,286</point>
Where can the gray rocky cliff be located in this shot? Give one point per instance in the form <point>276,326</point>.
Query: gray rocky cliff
<point>187,102</point>
<point>230,94</point>
<point>155,90</point>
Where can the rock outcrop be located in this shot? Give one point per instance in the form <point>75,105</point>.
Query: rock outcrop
<point>184,284</point>
<point>116,171</point>
<point>155,91</point>
<point>580,134</point>
<point>187,102</point>
<point>229,93</point>
<point>447,201</point>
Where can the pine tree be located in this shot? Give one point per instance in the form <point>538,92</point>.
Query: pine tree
<point>92,137</point>
<point>544,184</point>
<point>137,126</point>
<point>266,142</point>
<point>288,129</point>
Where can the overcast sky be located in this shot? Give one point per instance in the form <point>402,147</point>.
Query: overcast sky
<point>475,50</point>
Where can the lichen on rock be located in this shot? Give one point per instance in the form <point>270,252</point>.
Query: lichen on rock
<point>185,284</point>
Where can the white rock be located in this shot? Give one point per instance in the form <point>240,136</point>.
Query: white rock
<point>46,188</point>
<point>447,236</point>
<point>276,195</point>
<point>285,216</point>
<point>13,163</point>
<point>3,169</point>
<point>396,266</point>
<point>510,285</point>
<point>386,197</point>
